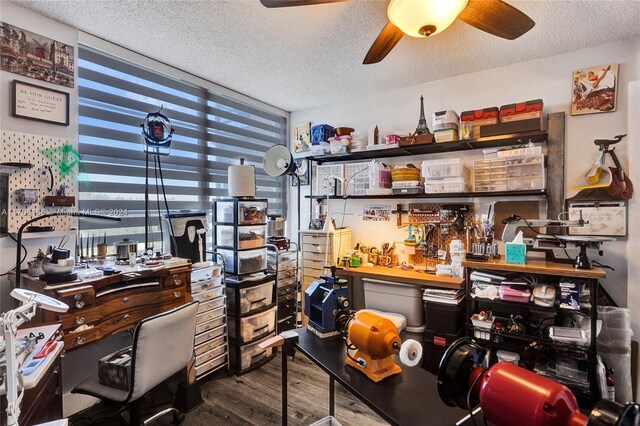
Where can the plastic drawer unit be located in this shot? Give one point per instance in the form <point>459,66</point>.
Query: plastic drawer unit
<point>210,343</point>
<point>251,303</point>
<point>253,326</point>
<point>285,264</point>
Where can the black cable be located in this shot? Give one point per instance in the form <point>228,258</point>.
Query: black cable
<point>469,407</point>
<point>23,258</point>
<point>166,205</point>
<point>155,170</point>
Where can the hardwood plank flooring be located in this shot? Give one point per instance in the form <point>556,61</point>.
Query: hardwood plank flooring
<point>254,398</point>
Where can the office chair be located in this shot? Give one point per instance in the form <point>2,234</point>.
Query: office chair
<point>162,346</point>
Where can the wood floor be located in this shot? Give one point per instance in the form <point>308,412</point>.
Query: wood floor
<point>254,399</point>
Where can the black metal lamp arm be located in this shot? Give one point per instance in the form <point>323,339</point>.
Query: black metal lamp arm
<point>44,216</point>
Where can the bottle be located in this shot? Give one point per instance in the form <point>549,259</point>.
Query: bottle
<point>611,390</point>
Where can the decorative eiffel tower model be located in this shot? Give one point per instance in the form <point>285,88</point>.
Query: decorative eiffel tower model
<point>422,128</point>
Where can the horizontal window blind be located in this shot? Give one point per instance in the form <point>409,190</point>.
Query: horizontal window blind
<point>211,132</point>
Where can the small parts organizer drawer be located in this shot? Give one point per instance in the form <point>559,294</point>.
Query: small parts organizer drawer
<point>210,365</point>
<point>208,335</point>
<point>250,354</point>
<point>286,309</point>
<point>210,320</point>
<point>250,212</point>
<point>210,345</point>
<point>251,299</point>
<point>320,239</point>
<point>207,295</point>
<point>205,285</point>
<point>210,355</point>
<point>254,326</point>
<point>209,303</point>
<point>288,323</point>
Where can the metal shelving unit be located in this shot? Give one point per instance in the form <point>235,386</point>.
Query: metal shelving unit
<point>535,193</point>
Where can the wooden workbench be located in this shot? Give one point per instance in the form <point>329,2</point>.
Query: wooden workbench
<point>538,266</point>
<point>409,276</point>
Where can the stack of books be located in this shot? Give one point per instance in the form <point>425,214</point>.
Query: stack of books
<point>444,295</point>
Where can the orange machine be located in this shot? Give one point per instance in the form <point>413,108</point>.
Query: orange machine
<point>376,338</point>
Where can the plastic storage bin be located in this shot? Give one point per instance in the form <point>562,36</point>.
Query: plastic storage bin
<point>249,354</point>
<point>254,326</point>
<point>244,262</point>
<point>445,168</point>
<point>252,298</point>
<point>250,212</point>
<point>443,318</point>
<point>396,298</point>
<point>455,184</point>
<point>241,237</point>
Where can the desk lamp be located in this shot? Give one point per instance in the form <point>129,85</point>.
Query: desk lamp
<point>44,216</point>
<point>278,161</point>
<point>10,322</point>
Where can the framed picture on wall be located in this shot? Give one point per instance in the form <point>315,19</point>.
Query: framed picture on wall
<point>39,103</point>
<point>35,56</point>
<point>302,170</point>
<point>594,90</point>
<point>302,137</point>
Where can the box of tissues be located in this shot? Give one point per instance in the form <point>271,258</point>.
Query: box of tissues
<point>516,251</point>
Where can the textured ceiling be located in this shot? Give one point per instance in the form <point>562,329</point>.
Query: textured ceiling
<point>296,58</point>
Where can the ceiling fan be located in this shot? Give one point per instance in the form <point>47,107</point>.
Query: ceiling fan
<point>423,18</point>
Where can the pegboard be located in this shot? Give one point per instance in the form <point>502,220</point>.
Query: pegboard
<point>438,227</point>
<point>26,148</point>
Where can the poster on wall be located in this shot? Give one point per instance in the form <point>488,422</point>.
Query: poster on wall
<point>594,90</point>
<point>302,137</point>
<point>32,55</point>
<point>376,212</point>
<point>302,170</point>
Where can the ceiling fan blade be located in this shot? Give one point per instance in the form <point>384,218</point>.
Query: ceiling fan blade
<point>290,3</point>
<point>496,17</point>
<point>386,41</point>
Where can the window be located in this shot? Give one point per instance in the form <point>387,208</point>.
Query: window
<point>212,131</point>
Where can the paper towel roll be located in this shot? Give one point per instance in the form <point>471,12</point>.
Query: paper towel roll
<point>242,181</point>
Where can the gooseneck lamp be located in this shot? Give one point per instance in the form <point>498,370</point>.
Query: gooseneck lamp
<point>45,216</point>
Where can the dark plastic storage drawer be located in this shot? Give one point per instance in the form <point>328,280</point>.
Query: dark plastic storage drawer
<point>444,318</point>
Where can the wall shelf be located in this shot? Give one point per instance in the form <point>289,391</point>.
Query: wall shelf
<point>442,195</point>
<point>435,148</point>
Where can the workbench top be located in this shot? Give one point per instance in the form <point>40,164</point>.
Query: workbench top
<point>537,266</point>
<point>409,276</point>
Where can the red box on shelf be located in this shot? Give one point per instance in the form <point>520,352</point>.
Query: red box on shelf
<point>480,117</point>
<point>521,111</point>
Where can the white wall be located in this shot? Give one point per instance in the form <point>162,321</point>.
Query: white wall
<point>548,78</point>
<point>633,246</point>
<point>38,24</point>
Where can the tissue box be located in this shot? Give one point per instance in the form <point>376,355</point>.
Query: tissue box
<point>114,370</point>
<point>515,253</point>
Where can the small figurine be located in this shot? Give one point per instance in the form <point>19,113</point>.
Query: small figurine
<point>62,191</point>
<point>422,128</point>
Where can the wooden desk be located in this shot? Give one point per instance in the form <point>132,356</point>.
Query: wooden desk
<point>116,302</point>
<point>538,266</point>
<point>409,276</point>
<point>42,401</point>
<point>409,398</point>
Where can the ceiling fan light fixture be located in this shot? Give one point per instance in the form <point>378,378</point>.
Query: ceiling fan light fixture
<point>422,18</point>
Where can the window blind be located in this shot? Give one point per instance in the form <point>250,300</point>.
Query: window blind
<point>211,132</point>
